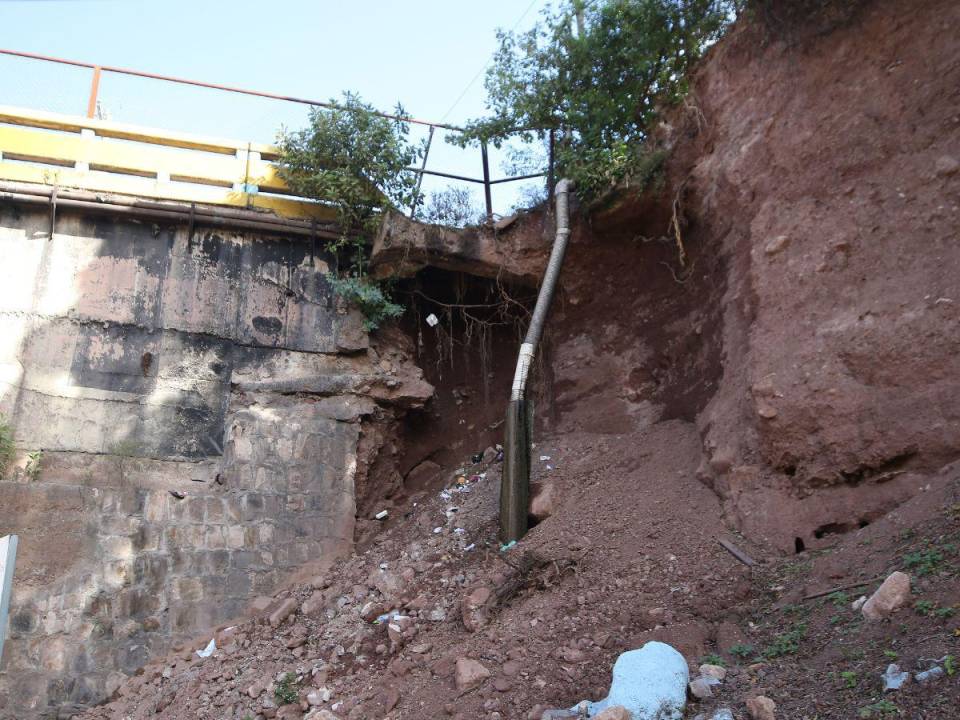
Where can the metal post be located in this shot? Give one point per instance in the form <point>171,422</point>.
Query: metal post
<point>94,91</point>
<point>8,559</point>
<point>423,166</point>
<point>486,181</point>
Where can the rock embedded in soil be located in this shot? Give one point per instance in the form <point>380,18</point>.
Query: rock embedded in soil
<point>713,671</point>
<point>761,707</point>
<point>617,712</point>
<point>893,594</point>
<point>469,674</point>
<point>542,500</point>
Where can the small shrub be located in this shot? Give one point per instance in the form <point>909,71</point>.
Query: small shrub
<point>741,651</point>
<point>454,207</point>
<point>368,297</point>
<point>892,654</point>
<point>7,446</point>
<point>286,690</point>
<point>949,664</point>
<point>713,659</point>
<point>945,612</point>
<point>32,468</point>
<point>924,607</point>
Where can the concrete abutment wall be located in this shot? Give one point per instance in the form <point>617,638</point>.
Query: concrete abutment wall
<point>174,484</point>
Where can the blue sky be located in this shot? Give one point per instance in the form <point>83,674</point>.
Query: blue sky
<point>423,53</point>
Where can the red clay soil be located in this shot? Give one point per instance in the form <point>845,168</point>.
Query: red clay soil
<point>794,379</point>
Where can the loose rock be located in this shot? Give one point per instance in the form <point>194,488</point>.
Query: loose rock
<point>469,674</point>
<point>761,708</point>
<point>893,594</point>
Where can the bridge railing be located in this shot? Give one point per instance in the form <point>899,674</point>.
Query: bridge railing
<point>101,156</point>
<point>240,180</point>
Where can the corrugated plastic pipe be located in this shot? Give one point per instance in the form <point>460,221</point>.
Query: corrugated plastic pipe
<point>515,484</point>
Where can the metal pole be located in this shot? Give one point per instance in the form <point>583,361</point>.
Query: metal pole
<point>515,484</point>
<point>486,180</point>
<point>94,91</point>
<point>423,166</point>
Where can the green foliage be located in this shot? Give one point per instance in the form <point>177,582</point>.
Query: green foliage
<point>892,654</point>
<point>879,709</point>
<point>949,664</point>
<point>369,297</point>
<point>601,86</point>
<point>713,659</point>
<point>923,562</point>
<point>839,598</point>
<point>32,468</point>
<point>741,651</point>
<point>945,612</point>
<point>7,446</point>
<point>850,678</point>
<point>786,643</point>
<point>355,160</point>
<point>286,691</point>
<point>924,607</point>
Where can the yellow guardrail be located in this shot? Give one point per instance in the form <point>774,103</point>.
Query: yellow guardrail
<point>102,156</point>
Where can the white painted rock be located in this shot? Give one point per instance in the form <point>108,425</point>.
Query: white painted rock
<point>651,683</point>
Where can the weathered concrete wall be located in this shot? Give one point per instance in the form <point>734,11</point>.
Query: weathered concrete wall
<point>148,365</point>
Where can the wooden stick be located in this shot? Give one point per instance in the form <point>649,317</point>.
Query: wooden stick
<point>842,587</point>
<point>736,552</point>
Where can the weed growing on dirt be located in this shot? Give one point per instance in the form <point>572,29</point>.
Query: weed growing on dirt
<point>945,612</point>
<point>850,678</point>
<point>839,598</point>
<point>923,562</point>
<point>286,690</point>
<point>892,654</point>
<point>741,651</point>
<point>884,707</point>
<point>924,607</point>
<point>949,664</point>
<point>713,659</point>
<point>786,643</point>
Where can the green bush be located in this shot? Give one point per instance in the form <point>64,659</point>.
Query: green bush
<point>286,691</point>
<point>355,160</point>
<point>369,297</point>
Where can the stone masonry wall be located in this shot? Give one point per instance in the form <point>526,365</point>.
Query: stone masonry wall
<point>198,403</point>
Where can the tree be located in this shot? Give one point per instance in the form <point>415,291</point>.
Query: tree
<point>600,87</point>
<point>356,160</point>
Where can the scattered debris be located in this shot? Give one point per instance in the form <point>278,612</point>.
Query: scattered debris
<point>894,678</point>
<point>432,320</point>
<point>208,650</point>
<point>382,515</point>
<point>736,552</point>
<point>177,494</point>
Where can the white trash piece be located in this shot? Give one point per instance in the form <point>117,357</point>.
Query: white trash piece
<point>208,650</point>
<point>382,515</point>
<point>651,683</point>
<point>432,320</point>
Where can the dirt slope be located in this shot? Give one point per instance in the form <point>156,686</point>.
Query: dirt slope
<point>795,378</point>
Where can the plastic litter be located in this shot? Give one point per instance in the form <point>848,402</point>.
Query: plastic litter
<point>894,678</point>
<point>651,683</point>
<point>504,548</point>
<point>382,515</point>
<point>544,458</point>
<point>208,650</point>
<point>432,320</point>
<point>470,547</point>
<point>929,676</point>
<point>437,530</point>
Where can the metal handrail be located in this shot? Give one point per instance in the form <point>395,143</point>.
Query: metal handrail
<point>98,71</point>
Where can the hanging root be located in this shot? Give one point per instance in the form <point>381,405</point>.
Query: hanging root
<point>675,217</point>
